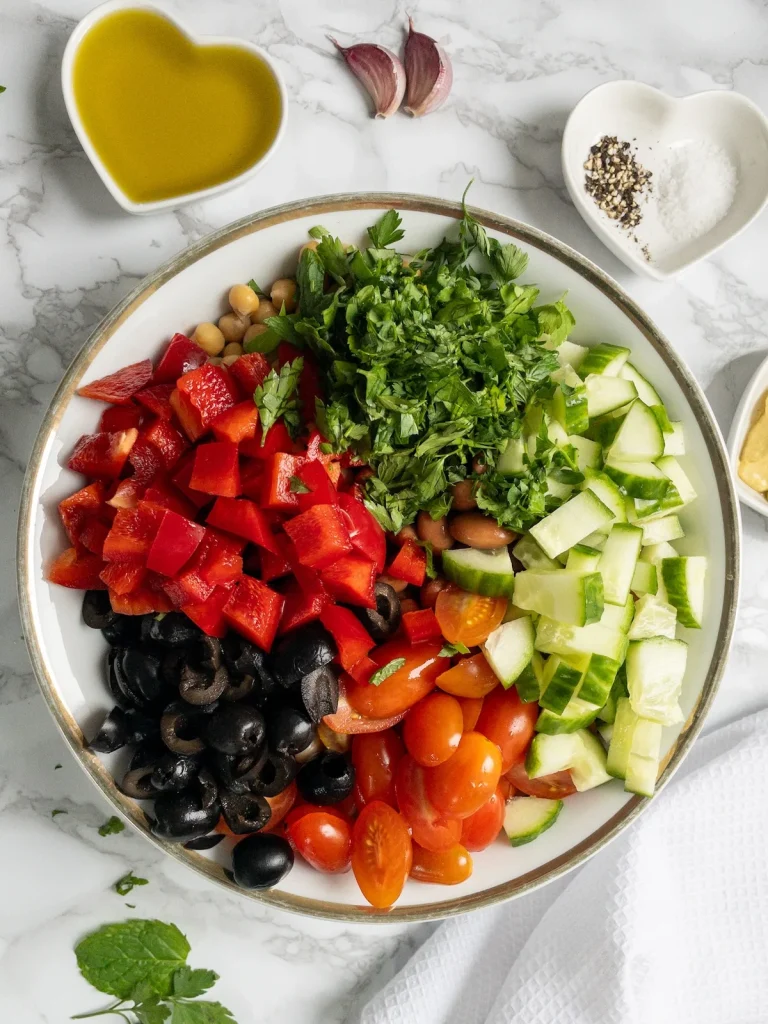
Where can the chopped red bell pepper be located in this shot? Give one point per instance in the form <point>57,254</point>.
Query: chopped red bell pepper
<point>132,533</point>
<point>161,492</point>
<point>120,417</point>
<point>181,356</point>
<point>308,579</point>
<point>127,494</point>
<point>252,478</point>
<point>318,488</point>
<point>175,542</point>
<point>299,608</point>
<point>352,639</point>
<point>123,577</point>
<point>237,424</point>
<point>210,391</point>
<point>421,625</point>
<point>362,670</point>
<point>254,611</point>
<point>93,535</point>
<point>216,469</point>
<point>181,478</point>
<point>351,579</point>
<point>409,564</point>
<point>80,507</point>
<point>277,491</point>
<point>273,566</point>
<point>118,388</point>
<point>218,560</point>
<point>157,399</point>
<point>141,601</point>
<point>277,440</point>
<point>187,588</point>
<point>103,455</point>
<point>80,572</point>
<point>250,371</point>
<point>245,519</point>
<point>189,418</point>
<point>169,441</point>
<point>147,461</point>
<point>319,536</point>
<point>365,533</point>
<point>209,614</point>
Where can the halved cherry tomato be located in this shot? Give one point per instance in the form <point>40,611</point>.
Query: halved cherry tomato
<point>433,728</point>
<point>508,723</point>
<point>280,805</point>
<point>470,710</point>
<point>403,688</point>
<point>470,677</point>
<point>348,721</point>
<point>468,618</point>
<point>481,828</point>
<point>375,757</point>
<point>323,840</point>
<point>448,867</point>
<point>551,787</point>
<point>461,785</point>
<point>430,829</point>
<point>381,853</point>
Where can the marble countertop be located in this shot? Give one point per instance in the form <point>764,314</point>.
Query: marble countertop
<point>68,253</point>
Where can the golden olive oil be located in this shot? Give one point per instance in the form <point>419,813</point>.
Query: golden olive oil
<point>166,116</point>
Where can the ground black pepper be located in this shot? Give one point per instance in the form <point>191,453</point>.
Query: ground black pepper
<point>615,179</point>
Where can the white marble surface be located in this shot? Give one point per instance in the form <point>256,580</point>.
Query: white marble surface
<point>67,253</point>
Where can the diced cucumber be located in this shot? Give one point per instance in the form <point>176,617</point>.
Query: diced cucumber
<point>606,732</point>
<point>653,617</point>
<point>577,714</point>
<point>640,438</point>
<point>570,354</point>
<point>621,739</point>
<point>661,418</point>
<point>608,492</point>
<point>639,479</point>
<point>671,468</point>
<point>659,530</point>
<point>674,442</point>
<point>618,690</point>
<point>488,573</point>
<point>604,394</point>
<point>618,561</point>
<point>569,641</point>
<point>511,461</point>
<point>582,559</point>
<point>643,762</point>
<point>570,597</point>
<point>618,616</point>
<point>645,391</point>
<point>655,670</point>
<point>558,489</point>
<point>569,403</point>
<point>555,431</point>
<point>513,612</point>
<point>529,683</point>
<point>598,679</point>
<point>604,359</point>
<point>604,429</point>
<point>654,553</point>
<point>644,579</point>
<point>526,817</point>
<point>509,648</point>
<point>580,752</point>
<point>595,540</point>
<point>589,453</point>
<point>567,525</point>
<point>560,682</point>
<point>530,554</point>
<point>684,582</point>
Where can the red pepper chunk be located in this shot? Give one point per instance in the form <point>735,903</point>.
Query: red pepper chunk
<point>79,507</point>
<point>277,492</point>
<point>187,588</point>
<point>93,535</point>
<point>216,469</point>
<point>218,560</point>
<point>273,566</point>
<point>351,579</point>
<point>103,455</point>
<point>175,542</point>
<point>169,441</point>
<point>141,601</point>
<point>209,614</point>
<point>319,536</point>
<point>277,439</point>
<point>362,670</point>
<point>245,519</point>
<point>254,611</point>
<point>123,577</point>
<point>119,387</point>
<point>146,460</point>
<point>421,625</point>
<point>352,639</point>
<point>120,417</point>
<point>80,572</point>
<point>189,418</point>
<point>127,494</point>
<point>409,564</point>
<point>132,533</point>
<point>300,608</point>
<point>250,371</point>
<point>237,424</point>
<point>209,390</point>
<point>181,356</point>
<point>182,475</point>
<point>157,399</point>
<point>365,533</point>
<point>319,489</point>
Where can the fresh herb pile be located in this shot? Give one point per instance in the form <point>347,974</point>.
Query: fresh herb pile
<point>428,362</point>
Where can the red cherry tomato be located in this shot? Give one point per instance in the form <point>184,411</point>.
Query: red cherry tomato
<point>470,709</point>
<point>468,618</point>
<point>429,828</point>
<point>461,785</point>
<point>447,867</point>
<point>481,828</point>
<point>324,840</point>
<point>375,757</point>
<point>405,687</point>
<point>433,728</point>
<point>348,721</point>
<point>381,853</point>
<point>302,810</point>
<point>509,723</point>
<point>470,677</point>
<point>280,805</point>
<point>551,787</point>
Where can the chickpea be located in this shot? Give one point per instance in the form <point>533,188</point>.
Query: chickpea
<point>265,309</point>
<point>284,293</point>
<point>243,299</point>
<point>430,590</point>
<point>463,500</point>
<point>479,465</point>
<point>209,338</point>
<point>253,332</point>
<point>313,244</point>
<point>228,360</point>
<point>397,585</point>
<point>479,531</point>
<point>338,741</point>
<point>215,360</point>
<point>434,531</point>
<point>407,533</point>
<point>232,326</point>
<point>409,605</point>
<point>233,349</point>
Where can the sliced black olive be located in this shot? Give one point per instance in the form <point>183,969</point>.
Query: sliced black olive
<point>381,621</point>
<point>172,662</point>
<point>172,629</point>
<point>180,729</point>
<point>320,693</point>
<point>142,727</point>
<point>310,752</point>
<point>205,842</point>
<point>212,653</point>
<point>118,685</point>
<point>113,732</point>
<point>236,729</point>
<point>244,812</point>
<point>201,685</point>
<point>260,861</point>
<point>174,771</point>
<point>237,772</point>
<point>136,673</point>
<point>289,731</point>
<point>125,630</point>
<point>326,780</point>
<point>276,773</point>
<point>181,817</point>
<point>305,650</point>
<point>137,782</point>
<point>209,790</point>
<point>97,611</point>
<point>239,689</point>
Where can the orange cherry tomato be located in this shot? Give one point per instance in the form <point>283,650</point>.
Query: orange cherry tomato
<point>551,787</point>
<point>280,805</point>
<point>509,723</point>
<point>324,840</point>
<point>405,687</point>
<point>470,677</point>
<point>381,853</point>
<point>347,721</point>
<point>461,785</point>
<point>468,618</point>
<point>506,788</point>
<point>433,728</point>
<point>430,829</point>
<point>448,867</point>
<point>470,710</point>
<point>481,828</point>
<point>375,757</point>
<point>302,810</point>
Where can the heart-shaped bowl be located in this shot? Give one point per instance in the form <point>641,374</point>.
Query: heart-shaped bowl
<point>750,407</point>
<point>658,126</point>
<point>67,83</point>
<point>69,659</point>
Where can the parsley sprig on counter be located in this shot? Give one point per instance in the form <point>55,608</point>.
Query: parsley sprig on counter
<point>432,361</point>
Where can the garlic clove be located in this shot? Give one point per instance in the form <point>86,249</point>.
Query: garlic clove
<point>379,70</point>
<point>429,73</point>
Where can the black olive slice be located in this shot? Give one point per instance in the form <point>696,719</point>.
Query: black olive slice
<point>305,650</point>
<point>201,685</point>
<point>326,780</point>
<point>260,861</point>
<point>236,729</point>
<point>244,812</point>
<point>113,732</point>
<point>97,611</point>
<point>290,731</point>
<point>383,620</point>
<point>320,693</point>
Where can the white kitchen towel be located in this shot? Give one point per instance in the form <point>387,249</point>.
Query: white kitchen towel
<point>667,925</point>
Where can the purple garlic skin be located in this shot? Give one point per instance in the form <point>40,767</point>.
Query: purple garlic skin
<point>379,70</point>
<point>429,73</point>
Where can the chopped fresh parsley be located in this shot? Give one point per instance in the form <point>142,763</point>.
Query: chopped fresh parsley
<point>57,811</point>
<point>111,827</point>
<point>386,671</point>
<point>449,650</point>
<point>124,885</point>
<point>277,397</point>
<point>56,767</point>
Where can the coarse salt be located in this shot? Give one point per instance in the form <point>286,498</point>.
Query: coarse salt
<point>695,188</point>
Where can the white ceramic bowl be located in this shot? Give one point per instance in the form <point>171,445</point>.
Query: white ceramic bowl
<point>69,659</point>
<point>67,63</point>
<point>656,124</point>
<point>749,408</point>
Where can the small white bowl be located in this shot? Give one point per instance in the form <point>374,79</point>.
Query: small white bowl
<point>656,124</point>
<point>747,411</point>
<point>67,64</point>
